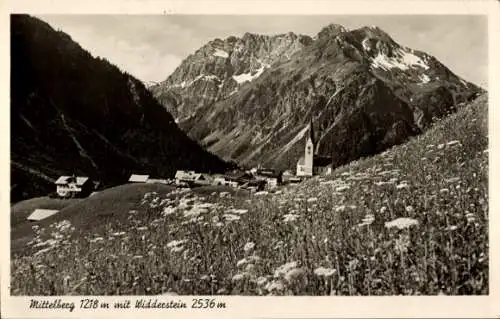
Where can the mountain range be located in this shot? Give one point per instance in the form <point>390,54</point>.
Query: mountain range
<point>250,99</point>
<point>73,113</point>
<point>246,100</point>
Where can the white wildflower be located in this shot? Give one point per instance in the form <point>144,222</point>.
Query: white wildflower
<point>240,211</point>
<point>342,188</point>
<point>118,234</point>
<point>177,249</point>
<point>401,223</point>
<point>240,276</point>
<point>283,269</point>
<point>261,281</point>
<point>231,217</point>
<point>169,210</point>
<point>249,246</point>
<point>402,185</point>
<point>175,243</point>
<point>324,272</point>
<point>410,209</point>
<point>274,286</point>
<point>290,217</point>
<point>367,220</point>
<point>340,208</point>
<point>294,274</point>
<point>242,262</point>
<point>261,193</point>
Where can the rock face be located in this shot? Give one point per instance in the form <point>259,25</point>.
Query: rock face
<point>72,113</point>
<point>250,99</point>
<point>215,71</point>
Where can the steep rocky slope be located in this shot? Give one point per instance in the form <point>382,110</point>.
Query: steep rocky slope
<point>250,99</point>
<point>73,113</point>
<point>216,70</point>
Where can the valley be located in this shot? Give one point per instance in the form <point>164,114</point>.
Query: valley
<point>337,164</point>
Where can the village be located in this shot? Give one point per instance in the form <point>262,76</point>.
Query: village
<point>254,180</point>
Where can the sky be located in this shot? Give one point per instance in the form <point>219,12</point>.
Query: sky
<point>150,47</point>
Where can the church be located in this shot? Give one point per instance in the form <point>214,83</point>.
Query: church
<point>311,164</point>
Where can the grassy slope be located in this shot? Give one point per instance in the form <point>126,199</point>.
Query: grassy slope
<point>316,224</point>
<point>110,205</point>
<point>84,214</point>
<point>21,210</point>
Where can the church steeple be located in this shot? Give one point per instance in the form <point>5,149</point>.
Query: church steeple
<point>311,132</point>
<point>305,165</point>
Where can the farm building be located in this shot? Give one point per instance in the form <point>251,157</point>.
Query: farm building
<point>272,177</point>
<point>239,177</point>
<point>245,180</point>
<point>74,186</point>
<point>191,178</point>
<point>311,164</point>
<point>39,214</point>
<point>219,180</point>
<point>288,173</point>
<point>136,178</point>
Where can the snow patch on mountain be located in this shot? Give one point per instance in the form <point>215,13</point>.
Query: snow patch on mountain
<point>221,53</point>
<point>413,60</point>
<point>403,60</point>
<point>233,92</point>
<point>366,45</point>
<point>248,77</point>
<point>425,78</point>
<point>184,84</point>
<point>185,118</point>
<point>211,77</point>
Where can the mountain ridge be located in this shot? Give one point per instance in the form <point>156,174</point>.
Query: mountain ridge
<point>73,113</point>
<point>331,77</point>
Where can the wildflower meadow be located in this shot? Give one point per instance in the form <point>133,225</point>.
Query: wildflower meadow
<point>410,221</point>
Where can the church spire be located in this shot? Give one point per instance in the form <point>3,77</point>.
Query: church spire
<point>311,132</point>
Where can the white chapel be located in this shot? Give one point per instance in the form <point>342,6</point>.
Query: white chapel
<point>310,164</point>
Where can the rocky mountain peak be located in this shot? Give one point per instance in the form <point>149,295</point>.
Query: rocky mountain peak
<point>331,30</point>
<point>365,92</point>
<point>220,67</point>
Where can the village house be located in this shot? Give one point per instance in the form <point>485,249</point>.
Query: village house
<point>137,178</point>
<point>74,186</point>
<point>244,179</point>
<point>289,177</point>
<point>191,178</point>
<point>311,164</point>
<point>221,180</point>
<point>40,213</point>
<point>272,177</point>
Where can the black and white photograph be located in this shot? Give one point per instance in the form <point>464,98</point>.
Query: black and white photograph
<point>249,155</point>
